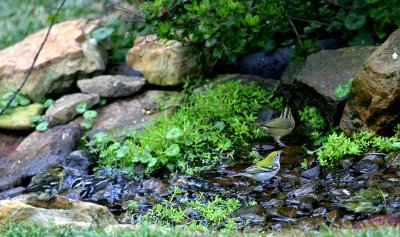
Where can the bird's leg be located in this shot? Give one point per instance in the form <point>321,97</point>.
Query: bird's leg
<point>281,143</point>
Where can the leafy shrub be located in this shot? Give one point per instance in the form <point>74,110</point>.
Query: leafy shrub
<point>208,123</point>
<point>230,28</point>
<point>339,145</point>
<point>121,37</point>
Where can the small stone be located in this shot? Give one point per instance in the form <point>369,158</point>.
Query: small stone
<point>311,173</point>
<point>308,223</point>
<point>332,216</point>
<point>290,212</point>
<point>254,214</point>
<point>111,86</point>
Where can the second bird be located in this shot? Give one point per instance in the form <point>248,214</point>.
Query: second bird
<point>279,127</point>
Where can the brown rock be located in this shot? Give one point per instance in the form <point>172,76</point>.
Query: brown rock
<point>67,53</point>
<point>37,152</point>
<point>59,211</point>
<point>111,86</point>
<point>167,63</point>
<point>64,109</point>
<point>374,99</point>
<point>132,113</point>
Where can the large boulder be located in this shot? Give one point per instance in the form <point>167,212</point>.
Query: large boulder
<point>314,81</point>
<point>20,118</point>
<point>167,63</point>
<point>37,152</point>
<point>111,86</point>
<point>67,53</point>
<point>60,211</point>
<point>374,99</point>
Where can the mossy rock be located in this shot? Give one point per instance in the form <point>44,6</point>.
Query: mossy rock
<point>19,119</point>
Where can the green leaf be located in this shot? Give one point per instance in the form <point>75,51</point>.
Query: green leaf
<point>102,33</point>
<point>354,21</point>
<point>174,133</point>
<point>86,125</point>
<point>173,150</point>
<point>90,114</point>
<point>81,108</point>
<point>343,89</point>
<point>42,127</point>
<point>102,102</point>
<point>48,103</point>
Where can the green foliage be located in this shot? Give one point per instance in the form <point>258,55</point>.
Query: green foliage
<point>19,18</point>
<point>230,28</point>
<point>88,115</point>
<point>343,89</point>
<point>312,116</point>
<point>21,99</point>
<point>338,146</point>
<point>39,122</point>
<point>121,36</point>
<point>214,214</point>
<point>206,124</point>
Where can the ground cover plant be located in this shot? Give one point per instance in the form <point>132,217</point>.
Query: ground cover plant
<point>206,124</point>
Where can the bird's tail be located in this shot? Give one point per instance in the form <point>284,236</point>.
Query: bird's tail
<point>286,113</point>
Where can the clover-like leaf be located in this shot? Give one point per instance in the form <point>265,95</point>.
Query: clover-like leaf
<point>41,127</point>
<point>173,150</point>
<point>81,108</point>
<point>354,21</point>
<point>90,114</point>
<point>174,133</point>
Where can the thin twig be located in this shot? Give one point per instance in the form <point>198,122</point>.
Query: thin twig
<point>295,30</point>
<point>309,21</point>
<point>53,19</point>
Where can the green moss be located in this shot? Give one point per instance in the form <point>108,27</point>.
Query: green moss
<point>218,120</point>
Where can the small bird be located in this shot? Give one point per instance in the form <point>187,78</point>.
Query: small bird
<point>265,169</point>
<point>47,183</point>
<point>90,185</point>
<point>279,127</point>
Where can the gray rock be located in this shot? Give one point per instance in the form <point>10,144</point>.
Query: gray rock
<point>37,152</point>
<point>78,160</point>
<point>311,173</point>
<point>64,109</point>
<point>109,86</point>
<point>313,82</point>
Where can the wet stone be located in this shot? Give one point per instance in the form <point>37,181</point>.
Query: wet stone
<point>366,167</point>
<point>78,160</point>
<point>254,214</point>
<point>290,212</point>
<point>280,226</point>
<point>308,223</point>
<point>311,173</point>
<point>301,191</point>
<point>332,216</point>
<point>319,212</point>
<point>286,185</point>
<point>273,203</point>
<point>307,204</point>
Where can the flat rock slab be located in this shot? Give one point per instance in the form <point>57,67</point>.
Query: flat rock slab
<point>67,53</point>
<point>64,109</point>
<point>20,118</point>
<point>111,86</point>
<point>60,211</point>
<point>132,113</point>
<point>37,152</point>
